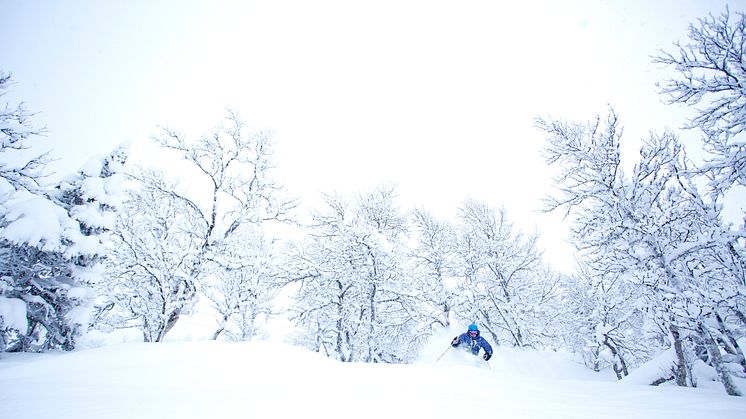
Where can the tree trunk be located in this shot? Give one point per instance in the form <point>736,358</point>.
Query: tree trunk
<point>717,361</point>
<point>172,319</point>
<point>446,315</point>
<point>731,345</point>
<point>596,364</point>
<point>681,369</point>
<point>221,326</point>
<point>318,343</point>
<point>248,323</point>
<point>372,326</point>
<point>340,316</point>
<point>620,366</point>
<point>147,333</point>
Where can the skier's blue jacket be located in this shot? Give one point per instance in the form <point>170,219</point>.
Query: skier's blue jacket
<point>474,343</point>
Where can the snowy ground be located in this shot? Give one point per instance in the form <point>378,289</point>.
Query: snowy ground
<point>206,379</point>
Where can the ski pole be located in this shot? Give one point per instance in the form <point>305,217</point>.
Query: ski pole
<point>441,355</point>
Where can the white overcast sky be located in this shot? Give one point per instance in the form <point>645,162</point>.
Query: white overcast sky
<point>437,97</point>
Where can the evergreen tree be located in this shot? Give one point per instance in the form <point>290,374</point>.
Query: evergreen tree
<point>51,240</point>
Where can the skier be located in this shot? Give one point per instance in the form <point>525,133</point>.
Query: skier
<point>474,341</point>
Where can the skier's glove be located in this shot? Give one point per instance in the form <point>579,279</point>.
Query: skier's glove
<point>454,342</point>
<point>487,356</point>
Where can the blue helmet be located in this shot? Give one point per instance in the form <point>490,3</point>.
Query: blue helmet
<point>473,327</point>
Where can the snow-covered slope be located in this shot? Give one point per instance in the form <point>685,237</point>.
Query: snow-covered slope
<point>208,379</point>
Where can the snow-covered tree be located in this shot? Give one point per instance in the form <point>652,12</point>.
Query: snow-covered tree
<point>54,249</point>
<point>435,264</point>
<point>242,288</point>
<point>18,170</point>
<point>605,321</point>
<point>503,285</point>
<point>153,250</point>
<point>355,298</point>
<point>711,71</point>
<point>198,229</point>
<point>652,229</point>
<point>92,197</point>
<point>51,239</point>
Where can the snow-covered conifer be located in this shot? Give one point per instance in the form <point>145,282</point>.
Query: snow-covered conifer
<point>51,240</point>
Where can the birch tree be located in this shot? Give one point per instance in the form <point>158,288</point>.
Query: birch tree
<point>435,265</point>
<point>154,250</point>
<point>710,71</point>
<point>650,228</point>
<point>355,299</point>
<point>230,190</point>
<point>503,283</point>
<point>606,321</point>
<point>242,287</point>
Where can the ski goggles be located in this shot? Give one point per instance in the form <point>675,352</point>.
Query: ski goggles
<point>473,333</point>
